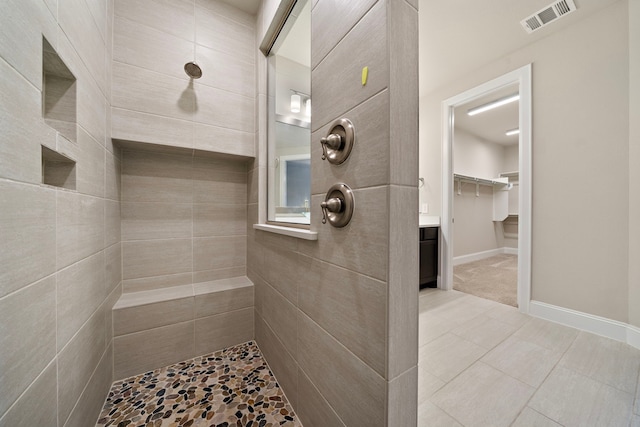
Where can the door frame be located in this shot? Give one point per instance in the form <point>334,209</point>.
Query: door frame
<point>522,77</point>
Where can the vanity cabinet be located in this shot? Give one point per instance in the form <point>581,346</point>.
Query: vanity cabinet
<point>428,256</point>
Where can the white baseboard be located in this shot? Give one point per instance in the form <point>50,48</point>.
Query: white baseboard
<point>602,326</point>
<point>463,259</point>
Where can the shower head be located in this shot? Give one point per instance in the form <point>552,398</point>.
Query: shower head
<point>193,70</point>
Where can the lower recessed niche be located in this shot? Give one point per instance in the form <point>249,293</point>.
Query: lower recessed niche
<point>58,170</point>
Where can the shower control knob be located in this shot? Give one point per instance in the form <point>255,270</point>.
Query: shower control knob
<point>337,145</point>
<point>337,207</point>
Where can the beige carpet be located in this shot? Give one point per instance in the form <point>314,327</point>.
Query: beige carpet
<point>494,278</point>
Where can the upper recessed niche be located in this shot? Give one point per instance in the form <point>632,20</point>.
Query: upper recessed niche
<point>58,93</point>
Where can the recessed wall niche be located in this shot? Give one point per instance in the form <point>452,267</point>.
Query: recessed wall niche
<point>58,93</point>
<point>58,170</point>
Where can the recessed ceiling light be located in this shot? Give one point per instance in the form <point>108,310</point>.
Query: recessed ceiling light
<point>512,132</point>
<point>493,104</point>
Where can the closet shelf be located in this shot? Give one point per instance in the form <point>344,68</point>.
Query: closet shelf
<point>481,181</point>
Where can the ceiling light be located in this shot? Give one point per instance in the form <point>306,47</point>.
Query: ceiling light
<point>494,104</point>
<point>512,132</point>
<point>295,103</point>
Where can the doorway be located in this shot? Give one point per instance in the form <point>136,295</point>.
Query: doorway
<point>477,178</point>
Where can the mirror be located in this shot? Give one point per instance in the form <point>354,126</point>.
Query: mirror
<point>289,179</point>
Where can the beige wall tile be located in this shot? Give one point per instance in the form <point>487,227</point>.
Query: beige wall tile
<point>313,409</point>
<point>219,252</point>
<point>283,270</point>
<point>229,36</point>
<point>137,299</point>
<point>76,21</point>
<point>282,364</point>
<point>151,349</point>
<point>222,295</point>
<point>367,166</point>
<point>151,177</point>
<point>228,11</point>
<point>22,128</point>
<point>401,390</point>
<point>148,316</point>
<point>221,108</point>
<point>98,11</point>
<point>223,140</point>
<point>156,282</point>
<point>150,48</point>
<point>226,71</point>
<point>362,245</point>
<point>150,128</point>
<point>112,222</point>
<point>113,266</point>
<point>107,308</point>
<point>80,230</point>
<point>336,83</point>
<point>354,390</point>
<point>27,227</point>
<point>281,318</point>
<point>223,330</point>
<point>143,221</point>
<point>219,220</point>
<point>211,185</point>
<point>81,290</point>
<point>349,306</point>
<point>174,17</point>
<point>217,274</point>
<point>156,258</point>
<point>28,330</point>
<point>331,22</point>
<point>404,252</point>
<point>77,361</point>
<point>41,390</point>
<point>92,108</point>
<point>90,166</point>
<point>142,90</point>
<point>91,401</point>
<point>112,177</point>
<point>22,25</point>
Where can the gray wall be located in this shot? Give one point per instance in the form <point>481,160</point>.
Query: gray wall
<point>634,162</point>
<point>336,318</point>
<point>580,157</point>
<point>60,251</point>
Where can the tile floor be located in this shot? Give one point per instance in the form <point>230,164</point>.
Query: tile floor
<point>483,363</point>
<point>231,387</point>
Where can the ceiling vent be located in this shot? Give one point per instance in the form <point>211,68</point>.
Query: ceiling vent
<point>548,15</point>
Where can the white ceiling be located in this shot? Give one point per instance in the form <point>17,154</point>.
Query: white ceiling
<point>458,36</point>
<point>490,125</point>
<point>249,6</point>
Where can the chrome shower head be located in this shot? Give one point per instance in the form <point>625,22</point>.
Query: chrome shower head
<point>193,70</point>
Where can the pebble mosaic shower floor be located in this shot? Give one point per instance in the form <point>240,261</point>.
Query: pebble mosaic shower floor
<point>231,387</point>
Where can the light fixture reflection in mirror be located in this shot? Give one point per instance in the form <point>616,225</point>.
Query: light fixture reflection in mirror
<point>295,103</point>
<point>307,107</point>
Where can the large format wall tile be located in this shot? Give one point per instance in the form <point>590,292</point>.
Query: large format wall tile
<point>227,72</point>
<point>175,17</point>
<point>80,291</point>
<point>142,221</point>
<point>146,47</point>
<point>146,258</point>
<point>223,330</point>
<point>223,140</point>
<point>313,409</point>
<point>352,388</point>
<point>349,306</point>
<point>222,295</point>
<point>151,349</point>
<point>77,361</point>
<point>214,219</point>
<point>90,172</point>
<point>218,32</point>
<point>27,227</point>
<point>221,108</point>
<point>80,227</point>
<point>137,318</point>
<point>27,328</point>
<point>219,252</point>
<point>335,82</point>
<point>281,318</point>
<point>22,414</point>
<point>150,128</point>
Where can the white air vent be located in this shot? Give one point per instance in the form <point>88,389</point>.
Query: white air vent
<point>547,15</point>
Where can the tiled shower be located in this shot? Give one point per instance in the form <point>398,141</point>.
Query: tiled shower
<point>138,248</point>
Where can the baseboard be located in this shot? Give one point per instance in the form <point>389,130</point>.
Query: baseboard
<point>463,259</point>
<point>602,326</point>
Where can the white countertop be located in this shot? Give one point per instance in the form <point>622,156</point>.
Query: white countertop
<point>429,221</point>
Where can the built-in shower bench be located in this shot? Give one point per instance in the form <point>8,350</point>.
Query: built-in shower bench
<point>159,327</point>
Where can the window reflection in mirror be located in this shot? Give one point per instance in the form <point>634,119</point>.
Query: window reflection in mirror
<point>289,179</point>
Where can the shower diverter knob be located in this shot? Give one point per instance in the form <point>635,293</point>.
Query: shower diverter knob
<point>336,146</point>
<point>338,205</point>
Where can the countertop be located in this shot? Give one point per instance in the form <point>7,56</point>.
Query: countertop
<point>429,221</point>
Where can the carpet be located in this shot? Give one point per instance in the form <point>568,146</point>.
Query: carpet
<point>494,278</point>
